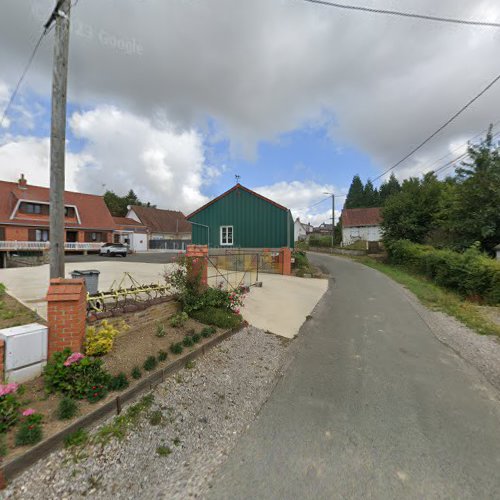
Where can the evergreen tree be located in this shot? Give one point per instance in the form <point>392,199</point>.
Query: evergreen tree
<point>356,195</point>
<point>117,205</point>
<point>389,188</point>
<point>370,195</point>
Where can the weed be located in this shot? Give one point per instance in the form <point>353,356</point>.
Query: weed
<point>163,451</point>
<point>162,355</point>
<point>77,438</point>
<point>179,379</point>
<point>187,341</point>
<point>156,417</point>
<point>67,408</point>
<point>118,382</point>
<point>176,348</point>
<point>190,365</point>
<point>160,330</point>
<point>177,441</point>
<point>136,373</point>
<point>150,363</point>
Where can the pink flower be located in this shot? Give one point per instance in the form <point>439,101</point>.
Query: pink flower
<point>28,412</point>
<point>76,356</point>
<point>8,389</point>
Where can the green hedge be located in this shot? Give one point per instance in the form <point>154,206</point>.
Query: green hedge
<point>471,274</point>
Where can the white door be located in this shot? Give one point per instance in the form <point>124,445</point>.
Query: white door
<point>139,242</point>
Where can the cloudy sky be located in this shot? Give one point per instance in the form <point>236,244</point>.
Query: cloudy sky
<point>173,98</point>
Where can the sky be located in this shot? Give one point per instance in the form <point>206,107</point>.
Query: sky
<point>174,98</point>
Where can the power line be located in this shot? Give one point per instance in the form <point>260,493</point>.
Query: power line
<point>424,17</point>
<point>442,127</point>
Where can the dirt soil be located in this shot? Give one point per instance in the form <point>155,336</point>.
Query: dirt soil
<point>130,349</point>
<point>13,313</point>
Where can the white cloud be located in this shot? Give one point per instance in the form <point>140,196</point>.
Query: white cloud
<point>302,198</point>
<point>163,165</point>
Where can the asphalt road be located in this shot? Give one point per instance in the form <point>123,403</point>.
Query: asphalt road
<point>372,406</point>
<point>148,258</point>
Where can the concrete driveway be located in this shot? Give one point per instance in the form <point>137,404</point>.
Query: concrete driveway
<point>29,284</point>
<point>372,406</point>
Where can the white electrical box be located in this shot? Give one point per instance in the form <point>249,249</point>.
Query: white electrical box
<point>25,351</point>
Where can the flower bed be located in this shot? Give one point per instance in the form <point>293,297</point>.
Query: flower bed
<point>75,384</point>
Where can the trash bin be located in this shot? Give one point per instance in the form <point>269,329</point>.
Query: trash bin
<point>91,278</point>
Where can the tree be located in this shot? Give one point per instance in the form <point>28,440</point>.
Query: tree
<point>470,210</point>
<point>389,188</point>
<point>413,213</point>
<point>117,205</point>
<point>356,195</point>
<point>370,195</point>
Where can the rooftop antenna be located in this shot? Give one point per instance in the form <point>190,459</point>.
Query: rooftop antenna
<point>237,177</point>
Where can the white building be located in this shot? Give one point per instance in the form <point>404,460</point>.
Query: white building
<point>361,224</point>
<point>301,230</point>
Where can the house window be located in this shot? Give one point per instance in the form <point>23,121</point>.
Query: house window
<point>69,212</point>
<point>30,208</point>
<point>41,235</point>
<point>226,235</point>
<point>92,237</point>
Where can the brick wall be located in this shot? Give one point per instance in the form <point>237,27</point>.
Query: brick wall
<point>199,264</point>
<point>285,260</point>
<point>66,314</point>
<point>2,361</point>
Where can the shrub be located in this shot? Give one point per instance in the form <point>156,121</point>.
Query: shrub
<point>471,274</point>
<point>77,438</point>
<point>9,406</point>
<point>96,393</point>
<point>208,331</point>
<point>30,430</point>
<point>301,260</point>
<point>162,355</point>
<point>150,363</point>
<point>66,409</point>
<point>217,317</point>
<point>118,382</point>
<point>156,418</point>
<point>177,320</point>
<point>99,341</point>
<point>187,341</point>
<point>176,348</point>
<point>73,374</point>
<point>136,373</point>
<point>160,330</point>
<point>2,289</point>
<point>163,451</point>
<point>3,445</point>
<point>196,338</point>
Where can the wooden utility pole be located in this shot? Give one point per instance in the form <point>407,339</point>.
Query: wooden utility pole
<point>58,137</point>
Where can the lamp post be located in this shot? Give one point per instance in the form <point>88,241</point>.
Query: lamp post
<point>333,214</point>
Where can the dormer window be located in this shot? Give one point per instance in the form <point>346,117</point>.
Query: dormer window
<point>32,208</point>
<point>69,212</point>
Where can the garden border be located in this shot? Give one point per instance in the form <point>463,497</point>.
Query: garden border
<point>10,469</point>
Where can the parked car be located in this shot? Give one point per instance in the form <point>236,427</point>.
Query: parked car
<point>113,249</point>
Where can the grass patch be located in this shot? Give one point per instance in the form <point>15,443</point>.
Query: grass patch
<point>163,451</point>
<point>217,317</point>
<point>437,298</point>
<point>77,438</point>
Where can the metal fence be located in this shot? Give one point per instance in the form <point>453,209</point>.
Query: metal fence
<point>168,244</point>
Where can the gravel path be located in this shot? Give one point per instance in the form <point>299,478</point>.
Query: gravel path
<point>204,409</point>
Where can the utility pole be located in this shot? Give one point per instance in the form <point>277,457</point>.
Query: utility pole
<point>333,215</point>
<point>58,136</point>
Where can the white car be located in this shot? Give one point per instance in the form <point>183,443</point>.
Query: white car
<point>114,249</point>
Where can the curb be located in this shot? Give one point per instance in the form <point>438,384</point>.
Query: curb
<point>16,466</point>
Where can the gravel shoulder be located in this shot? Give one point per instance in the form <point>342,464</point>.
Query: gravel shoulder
<point>480,351</point>
<point>204,411</point>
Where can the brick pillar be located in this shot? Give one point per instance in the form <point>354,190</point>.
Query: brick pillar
<point>286,261</point>
<point>66,314</point>
<point>198,255</point>
<point>2,360</point>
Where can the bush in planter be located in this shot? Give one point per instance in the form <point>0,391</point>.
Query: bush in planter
<point>150,363</point>
<point>162,355</point>
<point>208,331</point>
<point>196,338</point>
<point>73,374</point>
<point>67,408</point>
<point>136,373</point>
<point>30,430</point>
<point>118,382</point>
<point>177,320</point>
<point>176,348</point>
<point>187,341</point>
<point>9,406</point>
<point>99,341</point>
<point>217,317</point>
<point>96,393</point>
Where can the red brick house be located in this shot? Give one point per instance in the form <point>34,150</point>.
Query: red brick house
<point>24,218</point>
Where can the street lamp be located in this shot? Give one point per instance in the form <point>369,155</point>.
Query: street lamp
<point>333,213</point>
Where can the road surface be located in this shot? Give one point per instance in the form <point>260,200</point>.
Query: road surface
<point>372,406</point>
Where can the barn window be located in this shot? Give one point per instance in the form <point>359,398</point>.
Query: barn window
<point>226,235</point>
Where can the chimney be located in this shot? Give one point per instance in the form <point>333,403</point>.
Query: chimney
<point>22,182</point>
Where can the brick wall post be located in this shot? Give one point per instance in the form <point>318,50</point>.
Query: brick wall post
<point>285,259</point>
<point>66,314</point>
<point>198,254</point>
<point>2,361</point>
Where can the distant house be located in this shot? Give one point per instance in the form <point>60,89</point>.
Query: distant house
<point>323,229</point>
<point>242,218</point>
<point>166,229</point>
<point>361,224</point>
<point>301,230</point>
<point>24,219</point>
<point>131,233</point>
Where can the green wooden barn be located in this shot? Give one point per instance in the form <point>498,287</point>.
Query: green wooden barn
<point>242,218</point>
